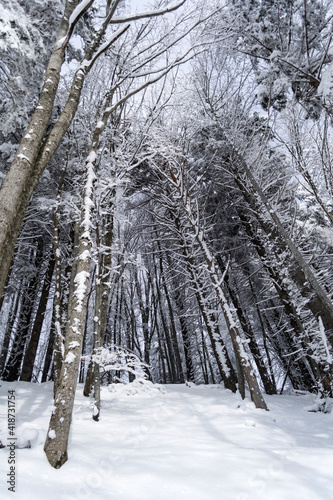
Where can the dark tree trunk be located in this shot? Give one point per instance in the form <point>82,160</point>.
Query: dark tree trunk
<point>269,386</point>
<point>13,367</point>
<point>49,353</point>
<point>8,332</point>
<point>30,354</point>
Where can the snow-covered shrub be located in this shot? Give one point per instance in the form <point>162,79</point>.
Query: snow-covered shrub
<point>117,358</point>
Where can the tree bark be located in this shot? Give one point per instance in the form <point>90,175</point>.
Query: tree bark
<point>8,332</point>
<point>221,354</point>
<point>49,353</point>
<point>58,433</point>
<point>252,343</point>
<point>31,351</point>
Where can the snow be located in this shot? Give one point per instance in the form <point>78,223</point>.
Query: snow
<point>110,40</point>
<point>23,157</point>
<point>77,11</point>
<point>84,255</point>
<point>323,338</point>
<point>70,358</point>
<point>80,289</point>
<point>73,345</point>
<point>148,13</point>
<point>172,442</point>
<point>325,88</point>
<point>52,434</point>
<point>73,18</point>
<point>91,157</point>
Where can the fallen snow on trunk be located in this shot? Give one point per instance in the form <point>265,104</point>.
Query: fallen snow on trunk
<point>171,443</point>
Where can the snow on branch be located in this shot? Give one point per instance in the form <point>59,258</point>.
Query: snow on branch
<point>113,357</point>
<point>73,19</point>
<point>143,15</point>
<point>87,64</point>
<point>79,10</point>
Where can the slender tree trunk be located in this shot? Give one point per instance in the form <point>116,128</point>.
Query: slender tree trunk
<point>207,357</point>
<point>218,346</point>
<point>264,335</point>
<point>170,357</point>
<point>252,343</point>
<point>13,367</point>
<point>239,345</point>
<point>98,342</point>
<point>202,358</point>
<point>161,355</point>
<point>58,433</point>
<point>102,295</point>
<point>173,345</point>
<point>186,338</point>
<point>8,332</point>
<point>31,351</point>
<point>49,353</point>
<point>147,329</point>
<point>59,336</point>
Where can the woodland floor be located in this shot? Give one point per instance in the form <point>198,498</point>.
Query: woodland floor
<point>171,443</point>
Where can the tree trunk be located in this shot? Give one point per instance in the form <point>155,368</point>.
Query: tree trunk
<point>239,345</point>
<point>21,179</point>
<point>322,374</point>
<point>8,332</point>
<point>13,367</point>
<point>31,351</point>
<point>252,343</point>
<point>218,346</point>
<point>102,296</point>
<point>147,329</point>
<point>304,275</point>
<point>58,433</point>
<point>49,353</point>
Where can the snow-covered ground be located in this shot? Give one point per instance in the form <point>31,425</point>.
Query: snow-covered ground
<point>171,443</point>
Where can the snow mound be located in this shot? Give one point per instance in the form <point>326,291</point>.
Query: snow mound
<point>139,387</point>
<point>29,437</point>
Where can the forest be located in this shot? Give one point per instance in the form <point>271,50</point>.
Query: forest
<point>166,204</point>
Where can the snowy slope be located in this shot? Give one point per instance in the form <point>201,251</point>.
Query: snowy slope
<point>172,443</point>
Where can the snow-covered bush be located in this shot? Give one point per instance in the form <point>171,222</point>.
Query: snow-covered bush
<point>118,358</point>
